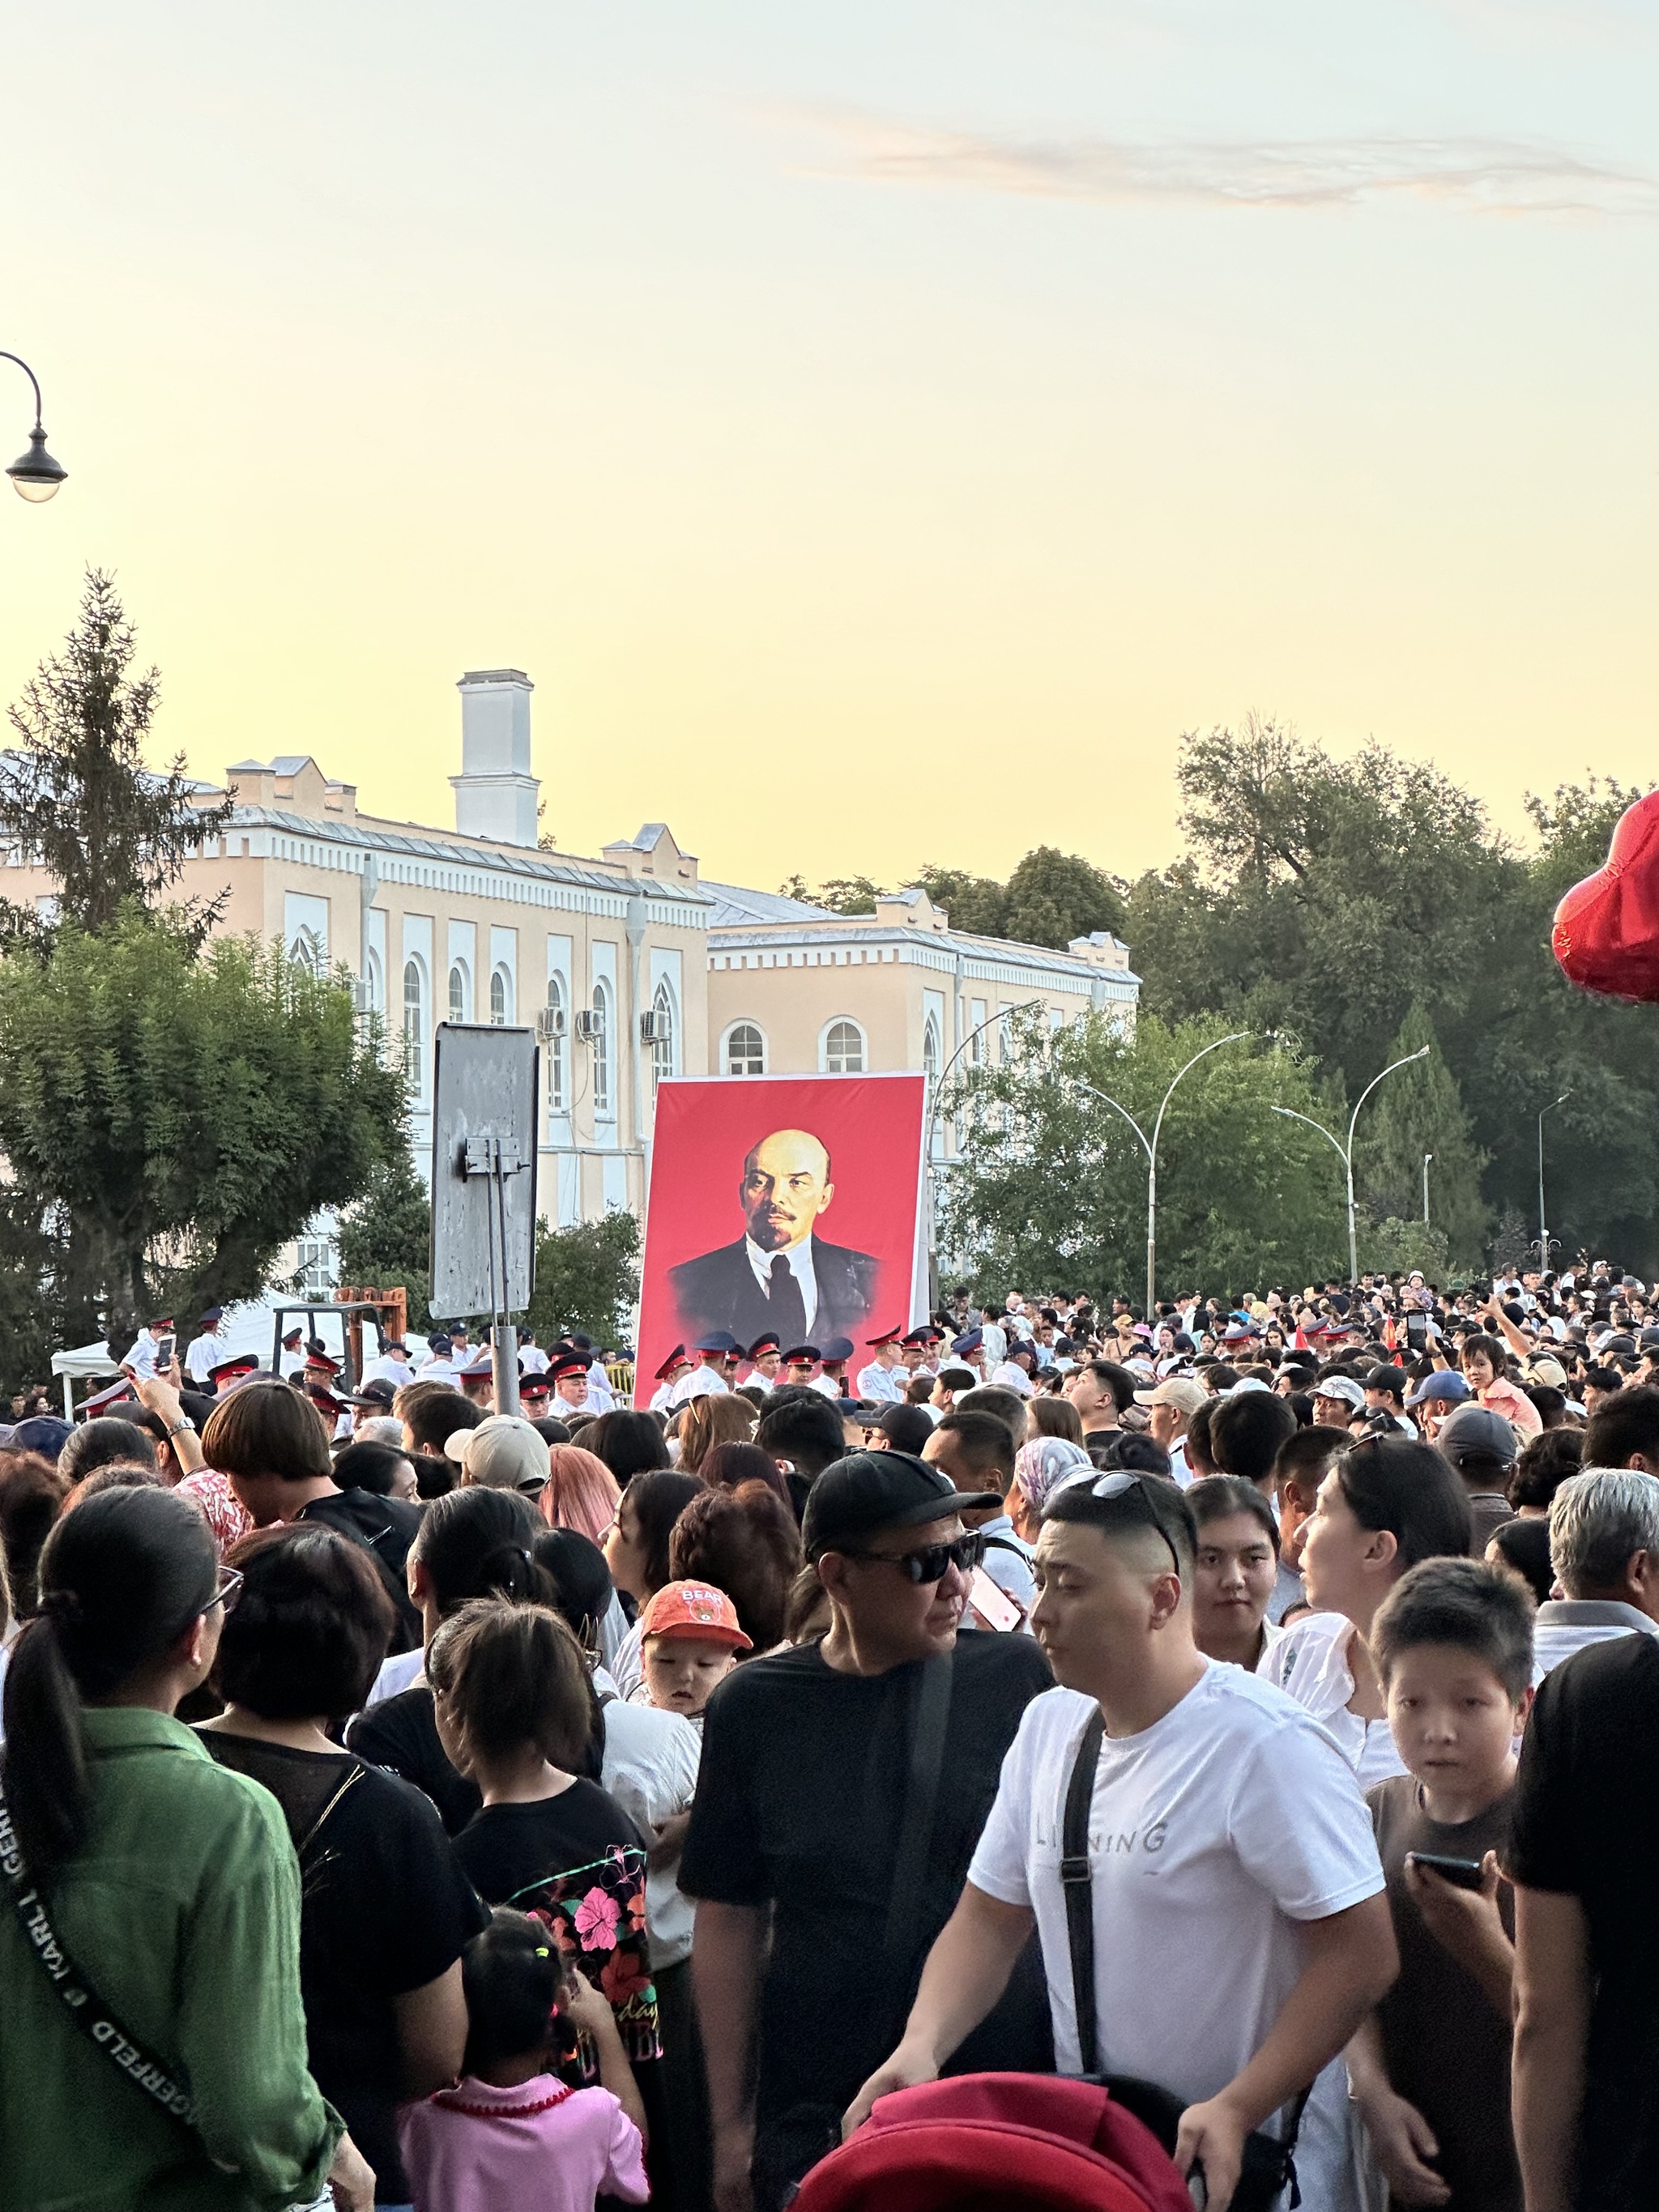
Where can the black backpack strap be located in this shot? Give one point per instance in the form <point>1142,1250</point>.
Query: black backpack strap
<point>929,1713</point>
<point>1077,1881</point>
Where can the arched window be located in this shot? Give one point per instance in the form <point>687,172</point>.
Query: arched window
<point>458,1009</point>
<point>306,949</point>
<point>746,1050</point>
<point>500,999</point>
<point>602,1106</point>
<point>414,1028</point>
<point>555,1083</point>
<point>662,1034</point>
<point>376,983</point>
<point>843,1049</point>
<point>931,1054</point>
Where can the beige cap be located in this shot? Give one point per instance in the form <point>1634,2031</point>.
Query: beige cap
<point>502,1452</point>
<point>1179,1391</point>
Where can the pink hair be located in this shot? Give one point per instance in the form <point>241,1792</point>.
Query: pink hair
<point>581,1492</point>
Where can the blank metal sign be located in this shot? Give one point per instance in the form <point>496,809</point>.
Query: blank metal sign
<point>484,1093</point>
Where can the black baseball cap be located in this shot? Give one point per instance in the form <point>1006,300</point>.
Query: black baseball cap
<point>868,1491</point>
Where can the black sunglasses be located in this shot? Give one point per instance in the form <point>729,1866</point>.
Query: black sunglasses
<point>930,1564</point>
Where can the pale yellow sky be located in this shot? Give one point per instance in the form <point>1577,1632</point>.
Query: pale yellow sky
<point>879,433</point>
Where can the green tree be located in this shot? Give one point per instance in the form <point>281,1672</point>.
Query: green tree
<point>977,904</point>
<point>1054,896</point>
<point>76,796</point>
<point>588,1278</point>
<point>1420,1109</point>
<point>840,894</point>
<point>1395,1247</point>
<point>1327,899</point>
<point>385,1235</point>
<point>170,1119</point>
<point>1052,1185</point>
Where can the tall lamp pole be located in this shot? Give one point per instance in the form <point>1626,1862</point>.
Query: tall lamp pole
<point>1543,1230</point>
<point>990,1022</point>
<point>1345,1153</point>
<point>1427,1156</point>
<point>1150,1145</point>
<point>35,473</point>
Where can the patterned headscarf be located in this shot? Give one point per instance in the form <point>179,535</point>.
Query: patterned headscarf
<point>1043,1465</point>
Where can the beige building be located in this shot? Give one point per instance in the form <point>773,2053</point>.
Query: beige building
<point>630,968</point>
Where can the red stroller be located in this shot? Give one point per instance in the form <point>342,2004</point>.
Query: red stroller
<point>998,2142</point>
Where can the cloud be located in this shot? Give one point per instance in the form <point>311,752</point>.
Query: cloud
<point>1480,176</point>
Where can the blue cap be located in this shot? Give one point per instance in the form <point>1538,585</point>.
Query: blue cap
<point>838,1348</point>
<point>969,1341</point>
<point>716,1340</point>
<point>440,1347</point>
<point>1443,1386</point>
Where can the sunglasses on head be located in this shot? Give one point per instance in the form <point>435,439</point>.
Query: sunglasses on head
<point>1128,1488</point>
<point>930,1564</point>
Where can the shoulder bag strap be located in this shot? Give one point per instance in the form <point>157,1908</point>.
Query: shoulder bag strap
<point>929,1713</point>
<point>1077,1881</point>
<point>101,2026</point>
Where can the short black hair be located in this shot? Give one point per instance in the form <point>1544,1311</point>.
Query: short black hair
<point>1219,1496</point>
<point>987,1444</point>
<point>1412,1490</point>
<point>1162,1506</point>
<point>1463,1603</point>
<point>309,1629</point>
<point>512,1972</point>
<point>1118,1380</point>
<point>1129,1451</point>
<point>366,1465</point>
<point>1624,1424</point>
<point>1247,1431</point>
<point>804,1429</point>
<point>1306,1453</point>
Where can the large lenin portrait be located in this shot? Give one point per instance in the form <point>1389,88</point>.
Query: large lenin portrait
<point>788,1204</point>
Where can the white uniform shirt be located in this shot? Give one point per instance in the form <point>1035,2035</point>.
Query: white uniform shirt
<point>1011,1376</point>
<point>142,1358</point>
<point>701,1383</point>
<point>1212,1834</point>
<point>204,1355</point>
<point>601,1397</point>
<point>385,1369</point>
<point>532,1360</point>
<point>884,1386</point>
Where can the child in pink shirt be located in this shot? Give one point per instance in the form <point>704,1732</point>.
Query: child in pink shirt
<point>510,2137</point>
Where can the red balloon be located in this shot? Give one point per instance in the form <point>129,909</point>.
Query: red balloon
<point>1607,928</point>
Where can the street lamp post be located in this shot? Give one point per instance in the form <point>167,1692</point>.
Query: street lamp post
<point>1345,1153</point>
<point>1427,1156</point>
<point>1150,1146</point>
<point>35,473</point>
<point>990,1022</point>
<point>1543,1229</point>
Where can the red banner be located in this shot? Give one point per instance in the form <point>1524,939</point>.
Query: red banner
<point>789,1203</point>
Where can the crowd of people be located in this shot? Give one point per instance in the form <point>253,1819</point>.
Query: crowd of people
<point>412,1803</point>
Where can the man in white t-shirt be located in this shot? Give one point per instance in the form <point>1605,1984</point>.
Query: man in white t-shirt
<point>1240,1929</point>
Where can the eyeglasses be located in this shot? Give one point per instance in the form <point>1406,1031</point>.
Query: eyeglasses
<point>1125,1487</point>
<point>931,1563</point>
<point>226,1591</point>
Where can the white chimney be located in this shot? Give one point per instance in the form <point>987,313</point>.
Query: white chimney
<point>495,795</point>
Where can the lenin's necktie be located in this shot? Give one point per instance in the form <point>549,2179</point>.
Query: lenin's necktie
<point>787,1306</point>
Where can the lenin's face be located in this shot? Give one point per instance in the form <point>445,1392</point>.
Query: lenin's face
<point>785,1188</point>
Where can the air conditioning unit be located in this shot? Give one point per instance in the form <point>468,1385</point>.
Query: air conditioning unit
<point>656,1029</point>
<point>590,1026</point>
<point>362,999</point>
<point>549,1024</point>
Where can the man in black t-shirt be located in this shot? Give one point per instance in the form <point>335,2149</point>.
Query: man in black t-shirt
<point>799,1807</point>
<point>1583,1849</point>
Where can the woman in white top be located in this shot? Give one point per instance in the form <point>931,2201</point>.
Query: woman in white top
<point>1387,1502</point>
<point>1235,1571</point>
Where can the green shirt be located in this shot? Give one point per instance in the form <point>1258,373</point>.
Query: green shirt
<point>183,1912</point>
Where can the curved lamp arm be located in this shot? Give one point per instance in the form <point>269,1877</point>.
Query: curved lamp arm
<point>1192,1063</point>
<point>1291,1114</point>
<point>989,1023</point>
<point>1117,1108</point>
<point>1422,1053</point>
<point>35,473</point>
